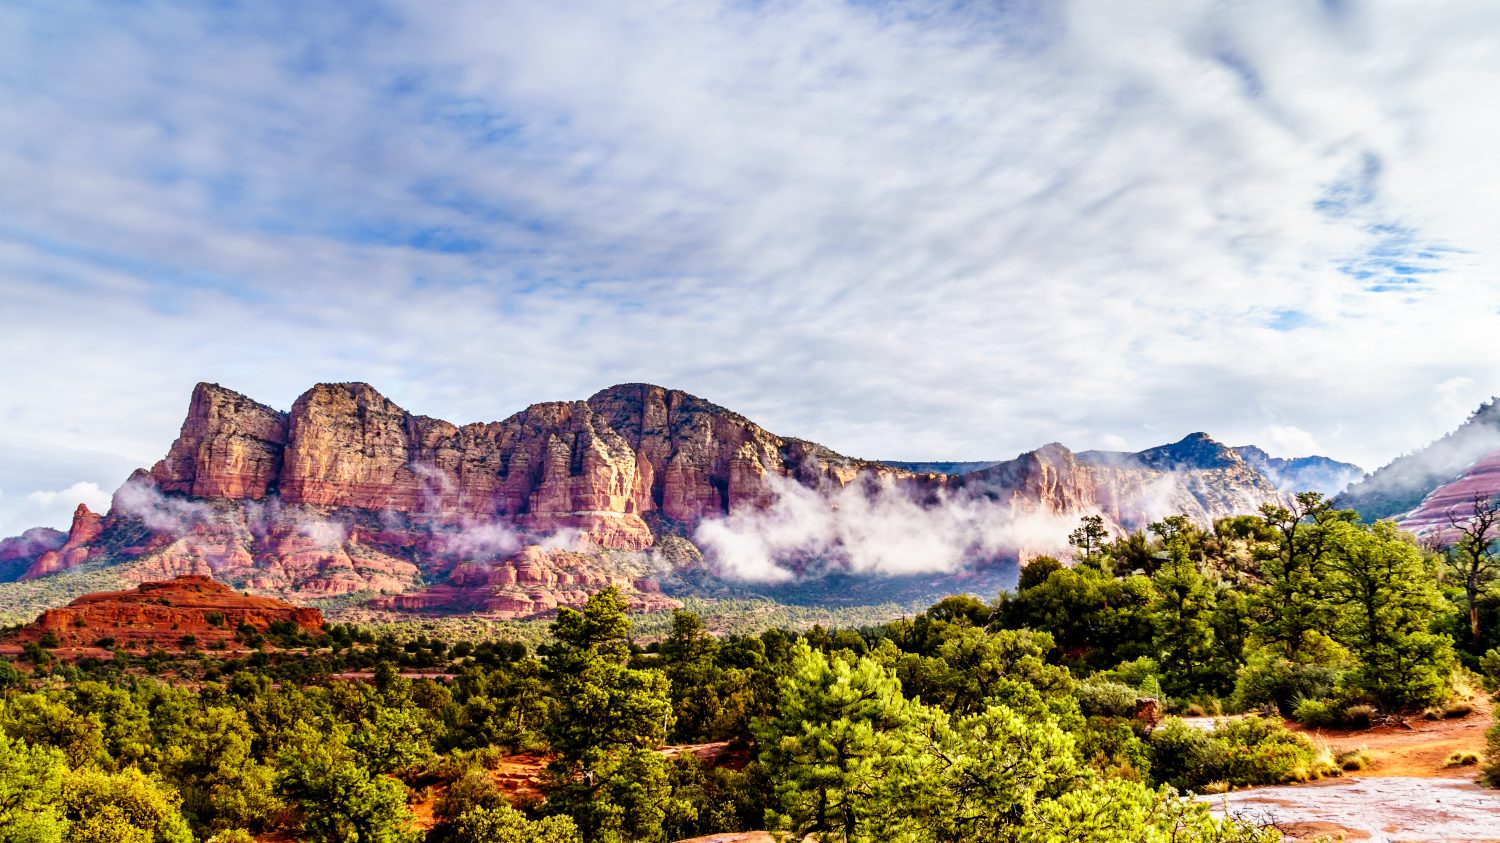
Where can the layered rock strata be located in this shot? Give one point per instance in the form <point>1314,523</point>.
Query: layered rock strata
<point>164,614</point>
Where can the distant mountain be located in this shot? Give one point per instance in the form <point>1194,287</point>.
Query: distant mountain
<point>1401,486</point>
<point>1196,452</point>
<point>1302,474</point>
<point>1196,476</point>
<point>939,467</point>
<point>349,496</point>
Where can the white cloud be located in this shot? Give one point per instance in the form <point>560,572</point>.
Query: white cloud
<point>1287,440</point>
<point>871,528</point>
<point>49,508</point>
<point>915,231</point>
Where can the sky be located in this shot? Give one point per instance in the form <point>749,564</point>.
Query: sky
<point>920,230</point>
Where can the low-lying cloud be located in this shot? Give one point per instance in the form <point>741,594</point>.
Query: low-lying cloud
<point>871,527</point>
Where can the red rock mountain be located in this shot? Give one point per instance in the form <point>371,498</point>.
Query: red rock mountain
<point>349,494</point>
<point>1453,502</point>
<point>162,613</point>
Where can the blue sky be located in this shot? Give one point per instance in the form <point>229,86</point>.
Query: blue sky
<point>909,230</point>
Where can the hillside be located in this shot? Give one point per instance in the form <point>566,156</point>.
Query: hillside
<point>1400,486</point>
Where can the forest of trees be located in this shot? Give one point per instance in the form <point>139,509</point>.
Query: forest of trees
<point>1016,719</point>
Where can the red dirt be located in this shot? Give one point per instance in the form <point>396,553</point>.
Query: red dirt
<point>1417,748</point>
<point>1407,793</point>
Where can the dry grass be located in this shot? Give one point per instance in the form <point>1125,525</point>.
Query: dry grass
<point>1351,760</point>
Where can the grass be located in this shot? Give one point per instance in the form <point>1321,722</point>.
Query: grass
<point>1350,760</point>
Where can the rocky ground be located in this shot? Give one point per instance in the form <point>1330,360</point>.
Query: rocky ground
<point>1407,794</point>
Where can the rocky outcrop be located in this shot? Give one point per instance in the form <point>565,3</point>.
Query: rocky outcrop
<point>348,494</point>
<point>87,526</point>
<point>1453,502</point>
<point>17,553</point>
<point>534,581</point>
<point>162,614</point>
<point>229,447</point>
<point>1400,486</point>
<point>598,467</point>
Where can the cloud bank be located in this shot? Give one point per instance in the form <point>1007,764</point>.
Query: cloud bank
<point>870,528</point>
<point>908,231</point>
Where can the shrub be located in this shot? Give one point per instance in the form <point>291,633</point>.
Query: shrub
<point>1318,714</point>
<point>1352,759</point>
<point>1259,750</point>
<point>1462,758</point>
<point>1142,673</point>
<point>1360,716</point>
<point>1269,679</point>
<point>1491,774</point>
<point>1112,746</point>
<point>1102,698</point>
<point>1184,757</point>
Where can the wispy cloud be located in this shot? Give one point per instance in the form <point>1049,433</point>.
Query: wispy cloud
<point>905,230</point>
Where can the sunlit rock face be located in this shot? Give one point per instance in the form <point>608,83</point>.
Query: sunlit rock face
<point>347,495</point>
<point>161,614</point>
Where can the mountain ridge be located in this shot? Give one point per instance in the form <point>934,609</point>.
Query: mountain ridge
<point>348,494</point>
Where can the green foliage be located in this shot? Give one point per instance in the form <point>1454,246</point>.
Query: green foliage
<point>609,719</point>
<point>474,811</point>
<point>30,790</point>
<point>839,743</point>
<point>124,807</point>
<point>1238,751</point>
<point>1271,679</point>
<point>1103,698</point>
<point>337,799</point>
<point>1491,766</point>
<point>1387,595</point>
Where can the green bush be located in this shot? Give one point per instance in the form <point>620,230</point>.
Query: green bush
<point>1103,698</point>
<point>1269,679</point>
<point>1242,752</point>
<point>1110,745</point>
<point>1184,757</point>
<point>1142,673</point>
<point>1319,714</point>
<point>1259,750</point>
<point>1491,767</point>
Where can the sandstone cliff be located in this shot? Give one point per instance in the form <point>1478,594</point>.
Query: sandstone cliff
<point>1454,501</point>
<point>18,553</point>
<point>87,526</point>
<point>348,494</point>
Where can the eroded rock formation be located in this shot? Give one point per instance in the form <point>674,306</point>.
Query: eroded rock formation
<point>163,614</point>
<point>87,526</point>
<point>349,494</point>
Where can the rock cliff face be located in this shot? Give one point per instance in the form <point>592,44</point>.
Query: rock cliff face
<point>87,526</point>
<point>599,466</point>
<point>1453,501</point>
<point>1302,474</point>
<point>1197,477</point>
<point>230,447</point>
<point>349,495</point>
<point>18,553</point>
<point>162,613</point>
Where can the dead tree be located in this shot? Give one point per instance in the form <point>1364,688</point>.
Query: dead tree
<point>1472,556</point>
